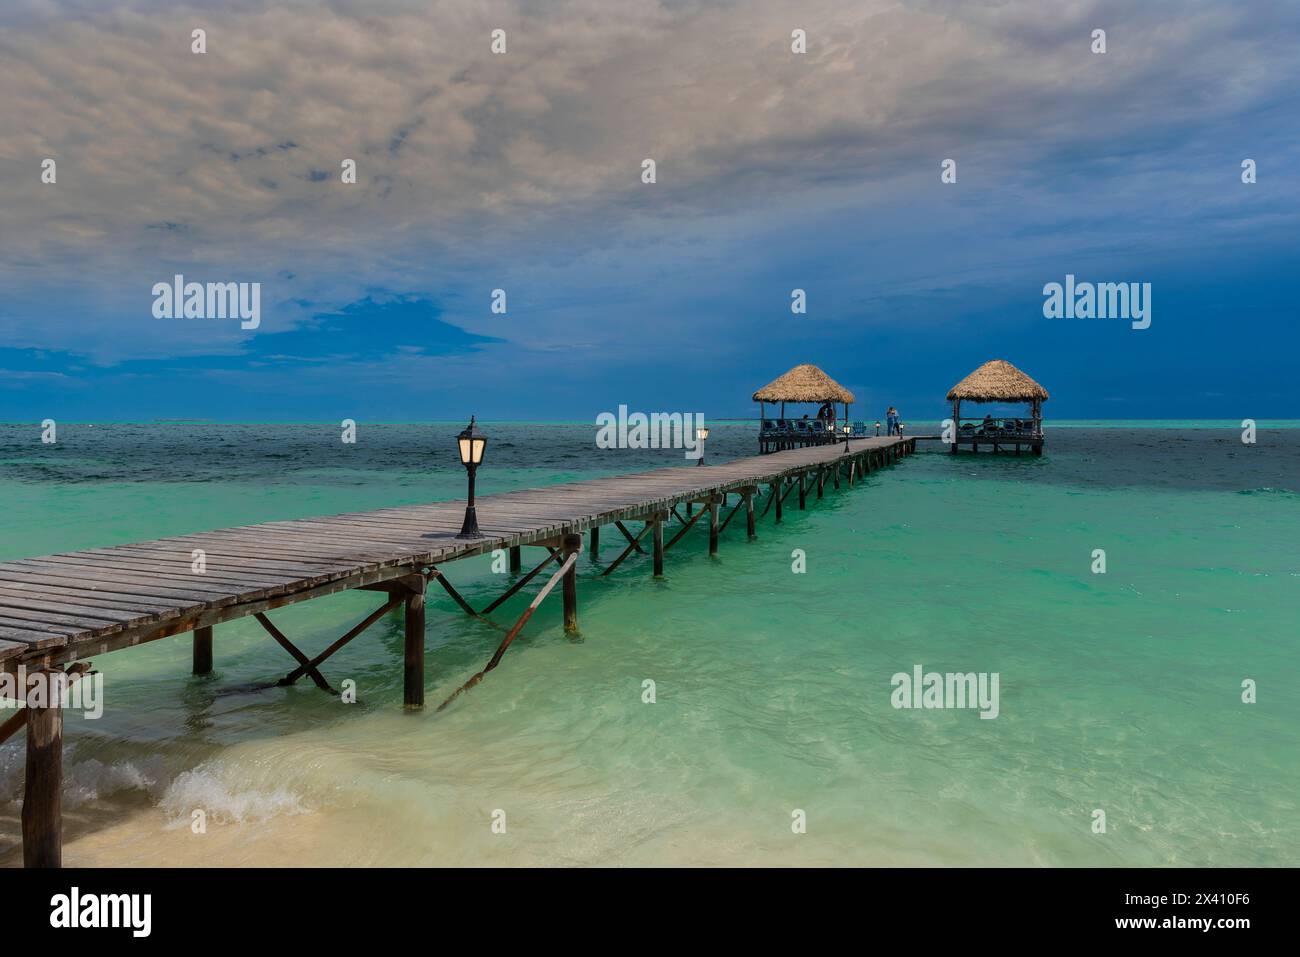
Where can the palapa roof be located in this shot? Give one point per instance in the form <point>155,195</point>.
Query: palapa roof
<point>998,381</point>
<point>803,383</point>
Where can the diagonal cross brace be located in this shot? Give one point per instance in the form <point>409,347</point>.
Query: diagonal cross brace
<point>636,542</point>
<point>553,556</point>
<point>514,631</point>
<point>633,543</point>
<point>732,514</point>
<point>315,663</point>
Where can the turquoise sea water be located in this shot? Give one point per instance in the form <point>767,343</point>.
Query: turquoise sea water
<point>1119,692</point>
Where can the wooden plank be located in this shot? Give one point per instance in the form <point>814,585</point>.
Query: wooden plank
<point>101,577</point>
<point>33,640</point>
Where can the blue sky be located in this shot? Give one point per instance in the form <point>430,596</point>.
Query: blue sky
<point>522,172</point>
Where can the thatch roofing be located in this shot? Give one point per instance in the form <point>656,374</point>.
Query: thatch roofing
<point>998,381</point>
<point>803,383</point>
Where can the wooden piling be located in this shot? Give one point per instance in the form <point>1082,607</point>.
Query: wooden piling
<point>572,545</point>
<point>516,560</point>
<point>595,541</point>
<point>658,548</point>
<point>713,527</point>
<point>43,795</point>
<point>776,492</point>
<point>749,512</point>
<point>203,651</point>
<point>413,675</point>
<point>803,491</point>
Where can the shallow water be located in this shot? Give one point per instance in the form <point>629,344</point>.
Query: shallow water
<point>1119,692</point>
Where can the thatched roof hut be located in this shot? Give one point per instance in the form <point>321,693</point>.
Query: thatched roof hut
<point>997,381</point>
<point>804,383</point>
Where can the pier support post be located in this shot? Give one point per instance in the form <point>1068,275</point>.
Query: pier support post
<point>659,548</point>
<point>776,491</point>
<point>803,491</point>
<point>413,676</point>
<point>516,560</point>
<point>836,476</point>
<point>203,651</point>
<point>595,542</point>
<point>572,545</point>
<point>821,482</point>
<point>43,796</point>
<point>713,527</point>
<point>749,512</point>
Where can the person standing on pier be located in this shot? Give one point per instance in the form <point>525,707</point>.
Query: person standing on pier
<point>891,420</point>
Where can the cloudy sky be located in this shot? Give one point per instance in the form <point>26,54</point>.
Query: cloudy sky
<point>522,171</point>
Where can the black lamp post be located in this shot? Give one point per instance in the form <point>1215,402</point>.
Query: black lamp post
<point>848,430</point>
<point>700,435</point>
<point>470,443</point>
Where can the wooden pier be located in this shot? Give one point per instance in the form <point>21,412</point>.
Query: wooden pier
<point>57,611</point>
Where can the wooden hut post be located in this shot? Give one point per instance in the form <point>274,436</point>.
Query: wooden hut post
<point>413,659</point>
<point>203,651</point>
<point>1038,427</point>
<point>572,545</point>
<point>956,424</point>
<point>42,812</point>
